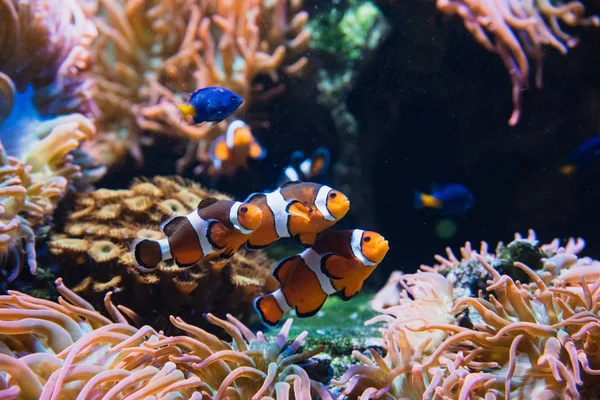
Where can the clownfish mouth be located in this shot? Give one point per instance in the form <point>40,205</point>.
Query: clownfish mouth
<point>383,246</point>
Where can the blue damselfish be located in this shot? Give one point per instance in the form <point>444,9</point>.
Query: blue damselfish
<point>211,104</point>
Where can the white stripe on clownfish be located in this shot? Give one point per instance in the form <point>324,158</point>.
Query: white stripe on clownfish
<point>356,245</point>
<point>321,202</point>
<point>313,260</point>
<point>233,218</point>
<point>201,227</point>
<point>230,134</point>
<point>291,174</point>
<point>281,301</point>
<point>165,248</point>
<point>305,166</point>
<point>278,204</point>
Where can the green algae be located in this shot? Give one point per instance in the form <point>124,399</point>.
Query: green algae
<point>346,30</point>
<point>339,328</point>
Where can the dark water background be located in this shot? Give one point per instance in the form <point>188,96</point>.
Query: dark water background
<point>442,103</point>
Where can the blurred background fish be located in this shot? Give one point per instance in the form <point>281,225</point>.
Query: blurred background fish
<point>450,199</point>
<point>233,149</point>
<point>306,169</point>
<point>211,104</point>
<point>584,157</point>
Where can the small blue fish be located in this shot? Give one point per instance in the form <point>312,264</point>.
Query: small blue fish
<point>211,104</point>
<point>583,157</point>
<point>451,199</point>
<point>301,169</point>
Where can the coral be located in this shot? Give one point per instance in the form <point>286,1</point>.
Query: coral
<point>44,113</point>
<point>45,44</point>
<point>68,350</point>
<point>94,249</point>
<point>150,52</point>
<point>468,275</point>
<point>518,32</point>
<point>516,340</point>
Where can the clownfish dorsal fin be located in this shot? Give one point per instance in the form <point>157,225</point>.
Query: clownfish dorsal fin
<point>207,201</point>
<point>290,184</point>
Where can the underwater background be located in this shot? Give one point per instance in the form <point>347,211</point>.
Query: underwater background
<point>402,98</point>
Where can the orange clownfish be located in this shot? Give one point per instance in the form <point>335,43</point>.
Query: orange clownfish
<point>235,147</point>
<point>297,209</point>
<point>216,227</point>
<point>339,261</point>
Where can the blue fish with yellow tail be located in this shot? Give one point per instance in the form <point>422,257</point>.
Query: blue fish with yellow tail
<point>583,157</point>
<point>211,104</point>
<point>451,199</point>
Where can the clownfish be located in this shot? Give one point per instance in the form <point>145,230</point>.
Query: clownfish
<point>583,157</point>
<point>339,261</point>
<point>301,169</point>
<point>297,209</point>
<point>235,147</point>
<point>451,199</point>
<point>216,227</point>
<point>211,104</point>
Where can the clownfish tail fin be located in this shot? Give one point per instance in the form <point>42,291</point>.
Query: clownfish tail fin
<point>147,253</point>
<point>268,309</point>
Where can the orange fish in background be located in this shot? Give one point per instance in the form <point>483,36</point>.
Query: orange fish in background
<point>297,209</point>
<point>339,261</point>
<point>234,148</point>
<point>216,227</point>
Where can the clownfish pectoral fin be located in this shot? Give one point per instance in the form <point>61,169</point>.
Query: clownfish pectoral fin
<point>334,266</point>
<point>307,239</point>
<point>284,269</point>
<point>170,225</point>
<point>297,209</point>
<point>216,234</point>
<point>268,309</point>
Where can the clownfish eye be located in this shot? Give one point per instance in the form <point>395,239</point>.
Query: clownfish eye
<point>332,195</point>
<point>244,210</point>
<point>367,239</point>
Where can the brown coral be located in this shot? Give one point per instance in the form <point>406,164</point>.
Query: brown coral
<point>151,52</point>
<point>69,350</point>
<point>95,249</point>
